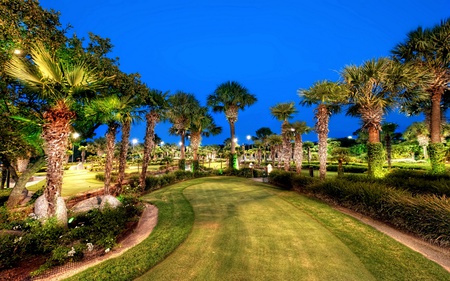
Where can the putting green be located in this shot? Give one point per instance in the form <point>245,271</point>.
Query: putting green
<point>244,231</point>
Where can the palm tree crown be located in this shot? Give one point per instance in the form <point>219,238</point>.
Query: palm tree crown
<point>230,97</point>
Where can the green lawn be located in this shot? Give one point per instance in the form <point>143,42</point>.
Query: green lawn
<point>245,230</point>
<point>74,182</point>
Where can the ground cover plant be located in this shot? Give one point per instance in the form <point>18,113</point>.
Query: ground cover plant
<point>95,230</point>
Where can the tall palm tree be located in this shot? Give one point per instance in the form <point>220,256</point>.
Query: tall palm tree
<point>299,128</point>
<point>110,111</point>
<point>328,96</point>
<point>59,85</point>
<point>428,50</point>
<point>230,97</point>
<point>202,125</point>
<point>156,103</point>
<point>376,87</point>
<point>129,113</point>
<point>387,130</point>
<point>179,113</point>
<point>283,112</point>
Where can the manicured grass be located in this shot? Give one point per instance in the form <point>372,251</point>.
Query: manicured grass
<point>74,182</point>
<point>244,230</point>
<point>175,220</point>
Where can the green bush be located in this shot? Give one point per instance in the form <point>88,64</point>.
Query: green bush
<point>101,228</point>
<point>281,179</point>
<point>182,164</point>
<point>12,250</point>
<point>424,215</point>
<point>348,168</point>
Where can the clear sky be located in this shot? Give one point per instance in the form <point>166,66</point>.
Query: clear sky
<point>272,47</point>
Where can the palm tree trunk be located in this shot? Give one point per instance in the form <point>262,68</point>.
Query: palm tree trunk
<point>298,153</point>
<point>195,143</point>
<point>183,145</point>
<point>436,148</point>
<point>287,148</point>
<point>375,153</point>
<point>388,150</point>
<point>152,119</point>
<point>233,159</point>
<point>55,133</point>
<point>110,139</point>
<point>322,117</point>
<point>126,127</point>
<point>435,126</point>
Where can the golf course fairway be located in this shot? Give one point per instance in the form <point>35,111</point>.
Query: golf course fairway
<point>246,230</point>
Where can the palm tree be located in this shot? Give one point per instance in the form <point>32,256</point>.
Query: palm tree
<point>418,131</point>
<point>376,87</point>
<point>427,49</point>
<point>298,129</point>
<point>388,129</point>
<point>230,97</point>
<point>110,111</point>
<point>59,85</point>
<point>202,124</point>
<point>274,142</point>
<point>156,103</point>
<point>328,96</point>
<point>283,112</point>
<point>128,114</point>
<point>179,113</point>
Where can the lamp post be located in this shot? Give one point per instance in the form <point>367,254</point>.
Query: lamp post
<point>251,145</point>
<point>75,136</point>
<point>134,142</point>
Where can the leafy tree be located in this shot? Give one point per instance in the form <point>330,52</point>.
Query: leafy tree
<point>283,112</point>
<point>428,50</point>
<point>328,96</point>
<point>418,131</point>
<point>59,85</point>
<point>230,97</point>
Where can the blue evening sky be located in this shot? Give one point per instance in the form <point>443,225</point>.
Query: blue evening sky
<point>272,47</point>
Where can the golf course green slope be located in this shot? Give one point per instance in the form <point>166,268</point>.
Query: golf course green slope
<point>245,230</point>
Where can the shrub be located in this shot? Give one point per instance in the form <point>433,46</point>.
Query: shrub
<point>424,215</point>
<point>281,179</point>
